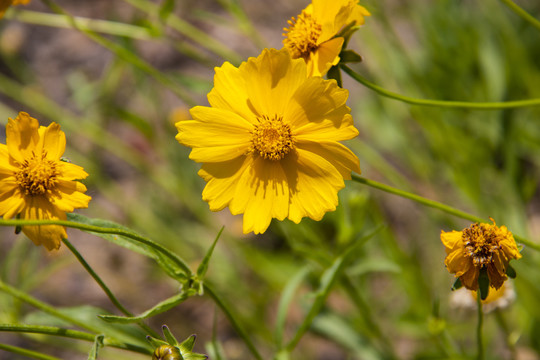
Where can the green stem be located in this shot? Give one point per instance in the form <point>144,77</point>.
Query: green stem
<point>73,334</point>
<point>104,287</point>
<point>522,13</point>
<point>435,204</point>
<point>241,332</point>
<point>27,353</point>
<point>479,338</point>
<point>440,103</point>
<point>102,230</point>
<point>60,21</point>
<point>44,307</point>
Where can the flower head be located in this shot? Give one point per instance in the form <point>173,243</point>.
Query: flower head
<point>5,4</point>
<point>480,247</point>
<point>269,142</point>
<point>34,181</point>
<point>312,36</point>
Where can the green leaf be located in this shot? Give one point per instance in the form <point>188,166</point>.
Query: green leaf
<point>98,344</point>
<point>511,272</point>
<point>349,56</point>
<point>203,267</point>
<point>457,284</point>
<point>483,284</point>
<point>166,9</point>
<point>158,309</point>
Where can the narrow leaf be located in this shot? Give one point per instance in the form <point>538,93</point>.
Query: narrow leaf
<point>203,267</point>
<point>98,344</point>
<point>158,309</point>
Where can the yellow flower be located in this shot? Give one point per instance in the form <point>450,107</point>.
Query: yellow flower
<point>312,36</point>
<point>4,5</point>
<point>480,246</point>
<point>269,142</point>
<point>35,183</point>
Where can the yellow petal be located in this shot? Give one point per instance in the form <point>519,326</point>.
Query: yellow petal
<point>452,240</point>
<point>470,278</point>
<point>7,167</point>
<point>268,194</point>
<point>313,184</point>
<point>68,195</point>
<point>11,203</point>
<point>229,92</point>
<point>22,137</point>
<point>222,180</point>
<point>326,56</point>
<point>48,235</point>
<point>271,79</point>
<point>457,263</point>
<point>69,171</point>
<point>337,126</point>
<point>54,141</point>
<point>343,159</point>
<point>317,99</point>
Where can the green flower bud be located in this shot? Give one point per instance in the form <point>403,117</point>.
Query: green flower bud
<point>167,352</point>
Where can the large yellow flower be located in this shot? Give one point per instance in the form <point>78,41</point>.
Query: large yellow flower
<point>480,246</point>
<point>312,36</point>
<point>35,183</point>
<point>269,142</point>
<point>5,4</point>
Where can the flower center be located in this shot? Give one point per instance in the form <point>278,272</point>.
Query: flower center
<point>272,138</point>
<point>302,35</point>
<point>37,175</point>
<point>480,244</point>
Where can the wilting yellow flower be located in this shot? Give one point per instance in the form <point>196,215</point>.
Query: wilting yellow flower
<point>4,5</point>
<point>312,36</point>
<point>269,142</point>
<point>480,246</point>
<point>34,181</point>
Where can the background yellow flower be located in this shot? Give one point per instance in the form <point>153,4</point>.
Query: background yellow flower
<point>34,182</point>
<point>5,4</point>
<point>269,142</point>
<point>312,35</point>
<point>481,246</point>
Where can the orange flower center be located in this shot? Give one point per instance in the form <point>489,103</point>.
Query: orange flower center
<point>481,242</point>
<point>302,35</point>
<point>37,175</point>
<point>272,138</point>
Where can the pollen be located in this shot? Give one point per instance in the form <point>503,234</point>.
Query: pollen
<point>272,138</point>
<point>37,175</point>
<point>481,241</point>
<point>302,36</point>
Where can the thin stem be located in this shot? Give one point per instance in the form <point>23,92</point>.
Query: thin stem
<point>73,334</point>
<point>60,21</point>
<point>241,332</point>
<point>102,230</point>
<point>522,13</point>
<point>104,287</point>
<point>26,352</point>
<point>440,103</point>
<point>435,204</point>
<point>479,338</point>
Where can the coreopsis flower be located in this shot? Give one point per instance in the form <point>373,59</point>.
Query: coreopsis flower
<point>480,247</point>
<point>35,183</point>
<point>313,35</point>
<point>269,142</point>
<point>5,4</point>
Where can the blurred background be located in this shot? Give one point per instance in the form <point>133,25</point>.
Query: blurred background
<point>118,95</point>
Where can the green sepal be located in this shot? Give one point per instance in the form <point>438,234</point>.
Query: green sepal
<point>155,342</point>
<point>457,284</point>
<point>335,73</point>
<point>483,284</point>
<point>188,344</point>
<point>511,272</point>
<point>349,56</point>
<point>18,229</point>
<point>169,336</point>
